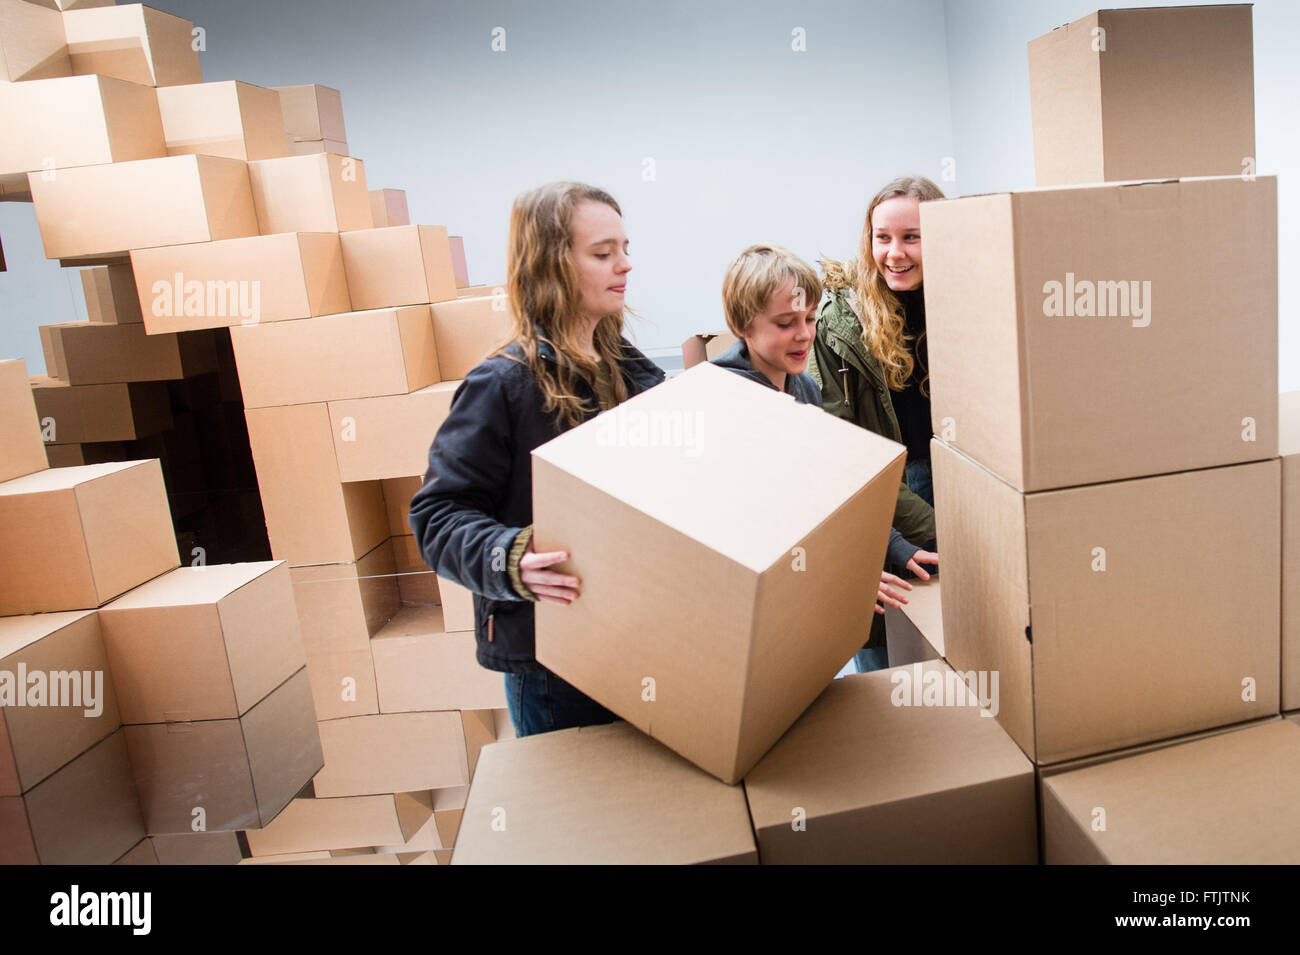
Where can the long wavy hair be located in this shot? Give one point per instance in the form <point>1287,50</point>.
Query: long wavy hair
<point>546,299</point>
<point>879,309</point>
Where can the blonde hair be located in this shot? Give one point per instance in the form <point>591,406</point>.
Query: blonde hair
<point>546,298</point>
<point>878,307</point>
<point>755,275</point>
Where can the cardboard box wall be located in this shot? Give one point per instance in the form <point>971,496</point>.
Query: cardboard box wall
<point>1048,401</point>
<point>1226,799</point>
<point>312,112</point>
<point>419,586</point>
<point>467,331</point>
<point>308,825</point>
<point>111,297</point>
<point>704,565</point>
<point>389,437</point>
<point>142,854</point>
<point>343,684</point>
<point>1099,644</point>
<point>419,666</point>
<point>1144,94</point>
<point>934,780</point>
<point>915,633</point>
<point>132,42</point>
<point>21,447</point>
<point>99,120</point>
<point>388,208</point>
<point>702,348</point>
<point>75,538</point>
<point>231,119</point>
<point>240,772</point>
<point>88,353</point>
<point>32,42</point>
<point>341,606</point>
<point>602,795</point>
<point>399,265</point>
<point>397,752</point>
<point>197,848</point>
<point>458,262</point>
<point>240,281</point>
<point>81,414</point>
<point>313,193</point>
<point>337,147</point>
<point>1289,442</point>
<point>96,211</point>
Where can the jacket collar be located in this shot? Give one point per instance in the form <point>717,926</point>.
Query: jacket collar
<point>635,365</point>
<point>841,321</point>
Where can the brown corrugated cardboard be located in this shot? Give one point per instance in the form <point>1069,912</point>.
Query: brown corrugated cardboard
<point>348,822</point>
<point>1062,594</point>
<point>1231,798</point>
<point>1289,447</point>
<point>342,605</point>
<point>417,584</point>
<point>132,42</point>
<point>312,112</point>
<point>388,208</point>
<point>32,43</point>
<point>419,666</point>
<point>389,437</point>
<point>702,348</point>
<point>197,848</point>
<point>387,351</point>
<point>65,455</point>
<point>95,354</point>
<point>142,854</point>
<point>111,297</point>
<point>240,281</point>
<point>288,858</point>
<point>103,211</point>
<point>100,120</point>
<point>934,780</point>
<point>481,291</point>
<point>52,350</point>
<point>311,517</point>
<point>337,147</point>
<point>343,684</point>
<point>458,261</point>
<point>85,814</point>
<point>74,538</point>
<point>400,265</point>
<point>21,450</point>
<point>1144,94</point>
<point>239,772</point>
<point>916,631</point>
<point>56,694</point>
<point>448,807</point>
<point>76,414</point>
<point>599,795</point>
<point>1032,328</point>
<point>397,496</point>
<point>480,730</point>
<point>397,752</point>
<point>705,564</point>
<point>232,119</point>
<point>467,331</point>
<point>457,605</point>
<point>241,641</point>
<point>315,193</point>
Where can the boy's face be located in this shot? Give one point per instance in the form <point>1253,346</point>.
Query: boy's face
<point>780,336</point>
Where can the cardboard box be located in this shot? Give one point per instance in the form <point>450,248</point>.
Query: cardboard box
<point>389,437</point>
<point>241,641</point>
<point>1227,799</point>
<point>1144,94</point>
<point>341,606</point>
<point>934,780</point>
<point>197,848</point>
<point>418,585</point>
<point>111,297</point>
<point>703,564</point>
<point>337,147</point>
<point>915,632</point>
<point>457,605</point>
<point>395,752</point>
<point>232,119</point>
<point>75,538</point>
<point>401,265</point>
<point>448,808</point>
<point>482,291</point>
<point>132,42</point>
<point>388,208</point>
<point>347,822</point>
<point>599,795</point>
<point>142,854</point>
<point>1060,593</point>
<point>239,772</point>
<point>65,455</point>
<point>311,516</point>
<point>240,281</point>
<point>56,695</point>
<point>343,684</point>
<point>386,351</point>
<point>88,353</point>
<point>706,347</point>
<point>97,211</point>
<point>314,193</point>
<point>75,414</point>
<point>468,331</point>
<point>419,667</point>
<point>480,731</point>
<point>99,120</point>
<point>397,496</point>
<point>21,447</point>
<point>1289,446</point>
<point>1049,400</point>
<point>312,112</point>
<point>458,261</point>
<point>84,814</point>
<point>32,42</point>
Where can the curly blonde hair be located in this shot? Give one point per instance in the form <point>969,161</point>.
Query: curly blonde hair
<point>546,299</point>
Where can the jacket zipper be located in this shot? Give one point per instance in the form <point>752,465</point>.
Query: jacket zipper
<point>491,635</point>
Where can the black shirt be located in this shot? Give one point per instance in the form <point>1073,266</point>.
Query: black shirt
<point>911,406</point>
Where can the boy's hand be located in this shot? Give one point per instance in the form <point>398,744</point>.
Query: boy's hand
<point>545,584</point>
<point>919,558</point>
<point>885,594</point>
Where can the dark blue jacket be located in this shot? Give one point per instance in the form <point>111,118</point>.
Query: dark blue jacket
<point>478,491</point>
<point>801,386</point>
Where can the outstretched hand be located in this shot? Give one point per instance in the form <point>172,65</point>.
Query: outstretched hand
<point>547,584</point>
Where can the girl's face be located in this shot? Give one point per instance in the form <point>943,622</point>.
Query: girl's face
<point>896,242</point>
<point>599,250</point>
<point>780,336</point>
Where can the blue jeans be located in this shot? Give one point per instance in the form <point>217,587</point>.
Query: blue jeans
<point>920,483</point>
<point>871,658</point>
<point>540,702</point>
